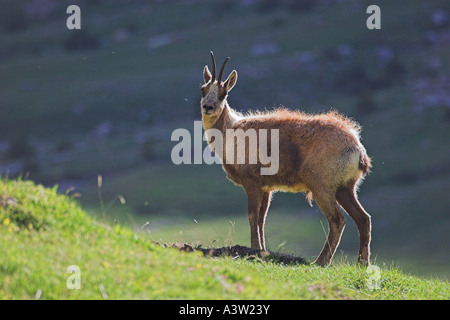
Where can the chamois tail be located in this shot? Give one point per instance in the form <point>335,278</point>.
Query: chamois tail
<point>365,162</point>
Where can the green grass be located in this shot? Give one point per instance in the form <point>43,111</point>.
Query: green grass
<point>42,233</point>
<point>42,87</point>
<point>170,197</point>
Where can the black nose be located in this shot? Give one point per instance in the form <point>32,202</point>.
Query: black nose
<point>207,107</point>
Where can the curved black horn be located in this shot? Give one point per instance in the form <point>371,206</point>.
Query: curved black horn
<point>221,70</point>
<point>213,66</point>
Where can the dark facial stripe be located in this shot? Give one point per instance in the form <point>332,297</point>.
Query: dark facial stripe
<point>222,96</point>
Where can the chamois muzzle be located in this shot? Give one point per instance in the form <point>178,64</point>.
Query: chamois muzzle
<point>207,108</point>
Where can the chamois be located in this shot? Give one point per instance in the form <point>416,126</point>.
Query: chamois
<point>320,155</point>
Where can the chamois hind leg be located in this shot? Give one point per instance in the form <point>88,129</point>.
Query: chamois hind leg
<point>254,197</point>
<point>336,224</point>
<point>265,202</point>
<point>348,200</point>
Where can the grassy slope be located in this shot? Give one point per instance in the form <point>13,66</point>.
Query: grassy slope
<point>42,85</point>
<point>42,233</point>
<point>166,197</point>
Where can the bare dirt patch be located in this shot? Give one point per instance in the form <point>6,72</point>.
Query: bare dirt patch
<point>242,252</point>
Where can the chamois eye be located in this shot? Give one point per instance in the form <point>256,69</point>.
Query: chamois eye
<point>203,92</point>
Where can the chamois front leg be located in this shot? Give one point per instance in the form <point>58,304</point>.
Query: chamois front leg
<point>265,202</point>
<point>254,197</point>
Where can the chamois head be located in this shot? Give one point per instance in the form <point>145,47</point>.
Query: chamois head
<point>214,92</point>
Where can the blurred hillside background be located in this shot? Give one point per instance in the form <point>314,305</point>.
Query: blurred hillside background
<point>104,100</point>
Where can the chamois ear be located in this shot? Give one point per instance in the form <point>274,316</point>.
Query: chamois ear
<point>206,74</point>
<point>231,80</point>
